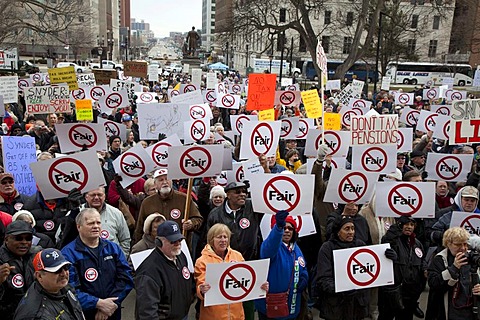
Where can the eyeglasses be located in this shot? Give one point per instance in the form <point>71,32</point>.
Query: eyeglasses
<point>63,268</point>
<point>289,228</point>
<point>8,181</point>
<point>27,237</point>
<point>238,191</point>
<point>96,195</point>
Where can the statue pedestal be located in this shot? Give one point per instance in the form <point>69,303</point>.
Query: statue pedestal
<point>193,62</point>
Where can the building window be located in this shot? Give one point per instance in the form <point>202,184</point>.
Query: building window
<point>414,21</point>
<point>326,43</point>
<point>302,46</point>
<point>411,44</point>
<point>432,49</point>
<point>436,22</point>
<point>81,19</point>
<point>347,45</point>
<point>328,17</point>
<point>283,15</point>
<point>349,21</point>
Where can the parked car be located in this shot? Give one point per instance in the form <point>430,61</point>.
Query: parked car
<point>27,66</point>
<point>78,69</point>
<point>107,64</point>
<point>174,67</point>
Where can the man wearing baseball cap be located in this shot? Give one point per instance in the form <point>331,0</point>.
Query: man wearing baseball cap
<point>10,199</point>
<point>50,296</point>
<point>466,200</point>
<point>171,204</point>
<point>16,269</point>
<point>163,282</point>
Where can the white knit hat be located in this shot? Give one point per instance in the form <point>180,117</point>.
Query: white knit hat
<point>148,221</point>
<point>21,212</point>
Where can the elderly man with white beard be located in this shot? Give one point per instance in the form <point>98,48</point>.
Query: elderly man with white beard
<point>169,203</point>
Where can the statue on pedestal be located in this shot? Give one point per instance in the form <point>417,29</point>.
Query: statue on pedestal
<point>192,40</point>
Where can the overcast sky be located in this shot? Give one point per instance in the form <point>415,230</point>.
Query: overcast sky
<point>168,15</point>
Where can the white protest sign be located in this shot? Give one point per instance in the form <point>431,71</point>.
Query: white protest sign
<point>448,81</point>
<point>362,105</point>
<point>381,129</point>
<point>333,85</point>
<point>152,71</point>
<point>159,151</point>
<point>98,91</point>
<point>272,193</point>
<point>9,89</point>
<point>237,173</point>
<point>251,168</point>
<point>362,267</point>
<point>286,82</point>
<point>347,186</point>
<point>139,257</point>
<point>448,167</point>
<point>187,87</point>
<point>82,93</point>
<point>404,98</point>
<point>415,199</point>
<point>225,286</point>
<point>292,87</point>
<point>165,118</point>
<point>304,125</point>
<point>228,101</point>
<point>173,93</point>
<point>113,128</point>
<point>305,225</point>
<point>77,136</point>
<point>18,153</point>
<point>131,87</point>
<point>191,97</point>
<point>476,78</point>
<point>57,177</point>
<point>442,128</point>
<point>404,139</point>
<point>220,88</point>
<point>337,142</point>
<point>197,77</point>
<point>86,79</point>
<point>289,128</point>
<point>346,115</point>
<point>426,121</point>
<point>146,97</point>
<point>47,99</point>
<point>2,107</point>
<point>442,109</point>
<point>259,137</point>
<point>24,83</point>
<point>196,130</point>
<point>238,121</point>
<point>287,98</point>
<point>37,77</point>
<point>409,116</point>
<point>195,161</point>
<point>133,164</point>
<point>200,111</point>
<point>385,83</point>
<point>431,94</point>
<point>209,96</point>
<point>468,220</point>
<point>379,158</point>
<point>453,95</point>
<point>465,124</point>
<point>347,93</point>
<point>186,68</point>
<point>113,100</point>
<point>211,80</point>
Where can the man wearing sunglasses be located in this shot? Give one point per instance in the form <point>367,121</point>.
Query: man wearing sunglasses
<point>50,296</point>
<point>16,268</point>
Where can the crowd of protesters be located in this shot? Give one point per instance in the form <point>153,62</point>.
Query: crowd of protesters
<point>87,238</point>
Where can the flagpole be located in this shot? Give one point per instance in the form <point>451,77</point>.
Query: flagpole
<point>323,104</point>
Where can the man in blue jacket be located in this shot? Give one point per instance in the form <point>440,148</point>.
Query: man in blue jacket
<point>100,272</point>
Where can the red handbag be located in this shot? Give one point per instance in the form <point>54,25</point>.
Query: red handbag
<point>277,305</point>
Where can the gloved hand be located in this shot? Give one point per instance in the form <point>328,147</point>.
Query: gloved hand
<point>391,254</point>
<point>117,178</point>
<point>161,136</point>
<point>280,217</point>
<point>322,152</point>
<point>74,197</point>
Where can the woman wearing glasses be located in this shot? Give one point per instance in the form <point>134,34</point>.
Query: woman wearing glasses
<point>287,272</point>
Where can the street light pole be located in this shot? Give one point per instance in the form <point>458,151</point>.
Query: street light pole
<point>270,57</point>
<point>246,57</point>
<point>377,56</point>
<point>281,55</point>
<point>33,50</point>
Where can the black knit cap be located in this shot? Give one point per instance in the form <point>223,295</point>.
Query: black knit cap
<point>339,222</point>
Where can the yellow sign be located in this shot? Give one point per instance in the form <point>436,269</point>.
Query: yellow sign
<point>312,104</point>
<point>266,115</point>
<point>332,121</point>
<point>84,110</point>
<point>64,75</point>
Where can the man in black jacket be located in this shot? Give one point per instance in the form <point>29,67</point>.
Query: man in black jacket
<point>163,281</point>
<point>50,296</point>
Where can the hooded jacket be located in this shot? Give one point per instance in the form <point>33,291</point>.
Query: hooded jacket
<point>232,311</point>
